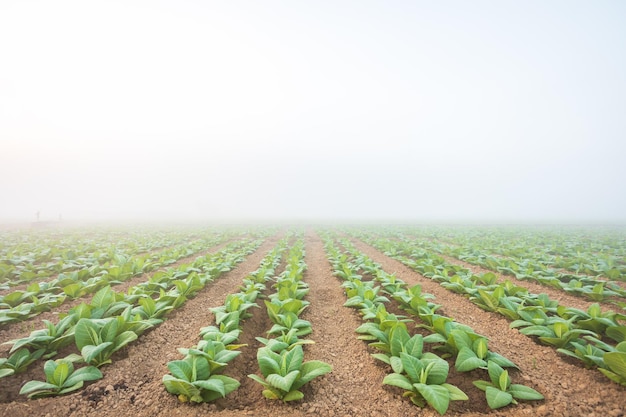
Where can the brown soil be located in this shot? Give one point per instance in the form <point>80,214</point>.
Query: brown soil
<point>132,384</point>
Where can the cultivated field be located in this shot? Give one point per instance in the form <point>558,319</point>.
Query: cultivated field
<point>371,321</point>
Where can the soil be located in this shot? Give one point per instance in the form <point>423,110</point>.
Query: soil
<point>132,383</point>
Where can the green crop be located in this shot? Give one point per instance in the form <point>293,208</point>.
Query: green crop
<point>192,380</point>
<point>501,392</point>
<point>285,373</point>
<point>61,378</point>
<point>98,339</point>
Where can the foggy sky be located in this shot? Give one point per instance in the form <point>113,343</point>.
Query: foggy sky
<point>279,110</point>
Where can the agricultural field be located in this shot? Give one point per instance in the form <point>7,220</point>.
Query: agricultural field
<point>297,321</point>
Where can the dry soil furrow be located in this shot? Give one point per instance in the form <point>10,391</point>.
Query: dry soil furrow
<point>570,389</point>
<point>132,383</point>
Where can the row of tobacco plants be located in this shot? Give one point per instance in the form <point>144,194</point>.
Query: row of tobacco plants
<point>594,337</point>
<point>40,296</point>
<point>199,376</point>
<point>420,372</point>
<point>110,321</point>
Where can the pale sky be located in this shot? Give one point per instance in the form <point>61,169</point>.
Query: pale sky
<point>325,110</point>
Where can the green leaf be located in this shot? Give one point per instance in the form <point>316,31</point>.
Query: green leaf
<point>398,380</point>
<point>467,360</point>
<point>180,387</point>
<point>504,381</point>
<point>85,333</point>
<point>123,339</point>
<point>311,370</point>
<point>616,362</point>
<point>230,384</point>
<point>180,369</point>
<point>455,393</point>
<point>91,353</point>
<point>437,396</point>
<point>412,366</point>
<point>212,385</point>
<point>439,371</point>
<point>61,373</point>
<point>494,373</point>
<point>293,395</point>
<point>497,398</point>
<point>522,392</point>
<point>396,364</point>
<point>33,387</point>
<point>268,365</point>
<point>482,385</point>
<point>87,373</point>
<point>283,382</point>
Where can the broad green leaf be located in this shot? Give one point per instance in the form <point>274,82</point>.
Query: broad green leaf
<point>396,364</point>
<point>61,373</point>
<point>616,362</point>
<point>412,366</point>
<point>497,398</point>
<point>180,387</point>
<point>467,360</point>
<point>293,395</point>
<point>283,382</point>
<point>123,339</point>
<point>482,385</point>
<point>455,393</point>
<point>212,385</point>
<point>180,369</point>
<point>87,373</point>
<point>268,366</point>
<point>437,396</point>
<point>90,353</point>
<point>32,387</point>
<point>522,392</point>
<point>398,380</point>
<point>439,371</point>
<point>311,370</point>
<point>85,333</point>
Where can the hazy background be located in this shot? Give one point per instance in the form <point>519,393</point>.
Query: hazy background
<point>483,111</point>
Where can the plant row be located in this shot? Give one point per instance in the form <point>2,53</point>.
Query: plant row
<point>528,269</point>
<point>281,359</point>
<point>199,376</point>
<point>421,374</point>
<point>596,338</point>
<point>112,320</point>
<point>39,258</point>
<point>43,296</point>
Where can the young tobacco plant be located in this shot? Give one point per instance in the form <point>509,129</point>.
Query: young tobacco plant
<point>501,392</point>
<point>424,381</point>
<point>285,373</point>
<point>61,378</point>
<point>192,379</point>
<point>98,339</point>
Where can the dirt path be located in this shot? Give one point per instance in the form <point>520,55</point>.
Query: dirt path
<point>570,390</point>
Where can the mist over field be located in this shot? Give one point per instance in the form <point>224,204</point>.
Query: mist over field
<point>186,111</point>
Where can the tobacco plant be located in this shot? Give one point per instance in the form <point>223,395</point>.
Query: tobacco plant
<point>61,378</point>
<point>285,373</point>
<point>501,392</point>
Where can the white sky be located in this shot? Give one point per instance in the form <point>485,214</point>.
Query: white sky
<point>345,110</point>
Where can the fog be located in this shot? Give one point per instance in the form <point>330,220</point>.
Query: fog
<point>450,111</point>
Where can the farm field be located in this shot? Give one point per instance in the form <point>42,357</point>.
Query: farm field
<point>464,321</point>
